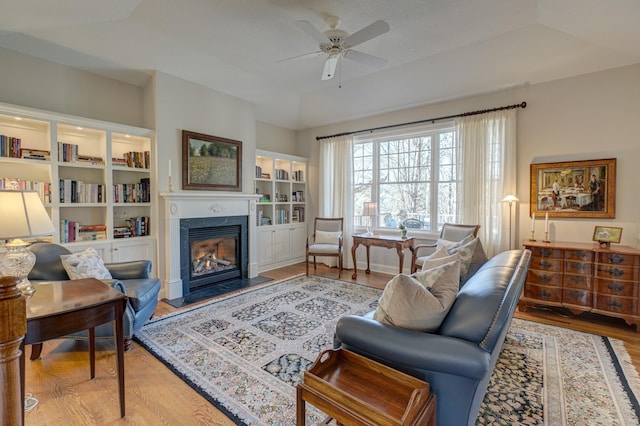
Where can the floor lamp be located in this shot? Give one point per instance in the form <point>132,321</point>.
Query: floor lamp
<point>510,199</point>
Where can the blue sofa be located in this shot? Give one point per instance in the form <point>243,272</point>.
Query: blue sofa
<point>459,358</point>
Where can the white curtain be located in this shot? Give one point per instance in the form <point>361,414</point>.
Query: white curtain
<point>335,189</point>
<point>488,147</point>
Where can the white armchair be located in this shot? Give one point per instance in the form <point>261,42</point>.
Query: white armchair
<point>326,241</point>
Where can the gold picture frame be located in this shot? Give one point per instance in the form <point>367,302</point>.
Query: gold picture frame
<point>605,235</point>
<point>574,189</point>
<point>211,163</point>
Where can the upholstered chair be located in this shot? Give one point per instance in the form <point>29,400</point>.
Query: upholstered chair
<point>325,241</point>
<point>131,278</point>
<point>450,232</point>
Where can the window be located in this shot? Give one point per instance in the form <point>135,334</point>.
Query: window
<point>410,176</point>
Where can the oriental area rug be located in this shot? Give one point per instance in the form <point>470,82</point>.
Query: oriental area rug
<point>246,352</point>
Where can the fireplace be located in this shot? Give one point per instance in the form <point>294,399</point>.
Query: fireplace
<point>213,251</point>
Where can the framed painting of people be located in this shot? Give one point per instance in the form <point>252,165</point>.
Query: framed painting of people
<point>574,188</point>
<point>211,163</point>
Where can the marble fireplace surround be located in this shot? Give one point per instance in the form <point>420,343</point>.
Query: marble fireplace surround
<point>188,205</point>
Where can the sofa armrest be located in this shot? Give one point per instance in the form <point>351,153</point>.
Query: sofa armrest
<point>412,349</point>
<point>116,284</point>
<point>130,270</point>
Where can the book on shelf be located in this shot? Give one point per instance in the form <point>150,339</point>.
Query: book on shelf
<point>298,175</point>
<point>258,172</point>
<point>265,198</point>
<point>10,146</point>
<point>88,159</point>
<point>121,232</point>
<point>282,174</point>
<point>67,152</point>
<point>35,154</point>
<point>71,231</point>
<point>265,176</point>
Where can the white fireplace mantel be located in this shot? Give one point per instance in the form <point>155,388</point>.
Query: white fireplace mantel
<point>188,205</point>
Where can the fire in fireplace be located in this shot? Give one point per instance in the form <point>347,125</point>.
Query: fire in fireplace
<point>213,251</point>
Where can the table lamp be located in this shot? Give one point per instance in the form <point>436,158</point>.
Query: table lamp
<point>510,199</point>
<point>22,216</point>
<point>369,209</point>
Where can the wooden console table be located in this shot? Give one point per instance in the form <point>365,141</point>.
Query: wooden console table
<point>63,307</point>
<point>387,241</point>
<point>584,277</point>
<point>355,390</point>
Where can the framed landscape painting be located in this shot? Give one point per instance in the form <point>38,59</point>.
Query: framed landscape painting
<point>211,163</point>
<point>574,188</point>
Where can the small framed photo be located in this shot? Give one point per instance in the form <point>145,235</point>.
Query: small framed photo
<point>211,163</point>
<point>605,235</point>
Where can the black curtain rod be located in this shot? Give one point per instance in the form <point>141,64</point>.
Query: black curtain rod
<point>429,120</point>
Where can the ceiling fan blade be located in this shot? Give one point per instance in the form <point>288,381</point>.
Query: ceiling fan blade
<point>330,66</point>
<point>367,33</point>
<point>364,58</point>
<point>312,31</point>
<point>303,56</point>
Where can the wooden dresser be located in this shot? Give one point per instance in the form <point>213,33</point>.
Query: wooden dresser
<point>584,277</point>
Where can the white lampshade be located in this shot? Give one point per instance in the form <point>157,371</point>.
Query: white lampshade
<point>369,209</point>
<point>23,215</point>
<point>510,199</point>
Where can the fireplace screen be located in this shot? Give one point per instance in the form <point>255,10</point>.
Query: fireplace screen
<point>213,255</point>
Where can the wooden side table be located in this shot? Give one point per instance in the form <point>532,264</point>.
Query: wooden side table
<point>355,390</point>
<point>386,241</point>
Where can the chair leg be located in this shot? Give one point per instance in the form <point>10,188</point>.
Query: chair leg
<point>36,350</point>
<point>339,266</point>
<point>314,264</point>
<point>307,262</point>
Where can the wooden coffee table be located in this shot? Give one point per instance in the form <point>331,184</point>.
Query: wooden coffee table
<point>355,390</point>
<point>64,307</point>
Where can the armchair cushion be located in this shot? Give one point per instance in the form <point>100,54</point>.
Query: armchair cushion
<point>325,237</point>
<point>141,292</point>
<point>321,249</point>
<point>421,302</point>
<point>86,264</point>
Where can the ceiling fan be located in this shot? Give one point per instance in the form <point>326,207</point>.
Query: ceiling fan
<point>336,43</point>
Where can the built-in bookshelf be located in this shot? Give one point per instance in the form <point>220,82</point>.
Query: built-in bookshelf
<point>93,177</point>
<point>280,179</point>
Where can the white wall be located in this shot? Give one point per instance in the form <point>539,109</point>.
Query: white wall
<point>274,138</point>
<point>593,116</point>
<point>36,83</point>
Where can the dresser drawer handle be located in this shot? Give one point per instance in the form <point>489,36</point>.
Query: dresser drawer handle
<point>576,294</point>
<point>616,288</point>
<point>546,253</point>
<point>615,272</point>
<point>543,294</point>
<point>579,254</point>
<point>579,266</point>
<point>545,265</point>
<point>576,279</point>
<point>545,278</point>
<point>614,304</point>
<point>614,258</point>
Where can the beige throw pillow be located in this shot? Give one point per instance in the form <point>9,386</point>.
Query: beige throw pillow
<point>439,257</point>
<point>420,302</point>
<point>86,264</point>
<point>465,251</point>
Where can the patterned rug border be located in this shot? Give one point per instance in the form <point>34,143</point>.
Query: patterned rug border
<point>627,374</point>
<point>619,355</point>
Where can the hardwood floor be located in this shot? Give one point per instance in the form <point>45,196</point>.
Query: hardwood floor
<point>155,396</point>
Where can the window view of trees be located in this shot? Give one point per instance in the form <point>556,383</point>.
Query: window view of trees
<point>409,177</point>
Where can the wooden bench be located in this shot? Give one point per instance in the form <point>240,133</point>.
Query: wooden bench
<point>355,390</point>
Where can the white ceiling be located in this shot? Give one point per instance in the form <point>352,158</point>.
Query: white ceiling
<point>436,49</point>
